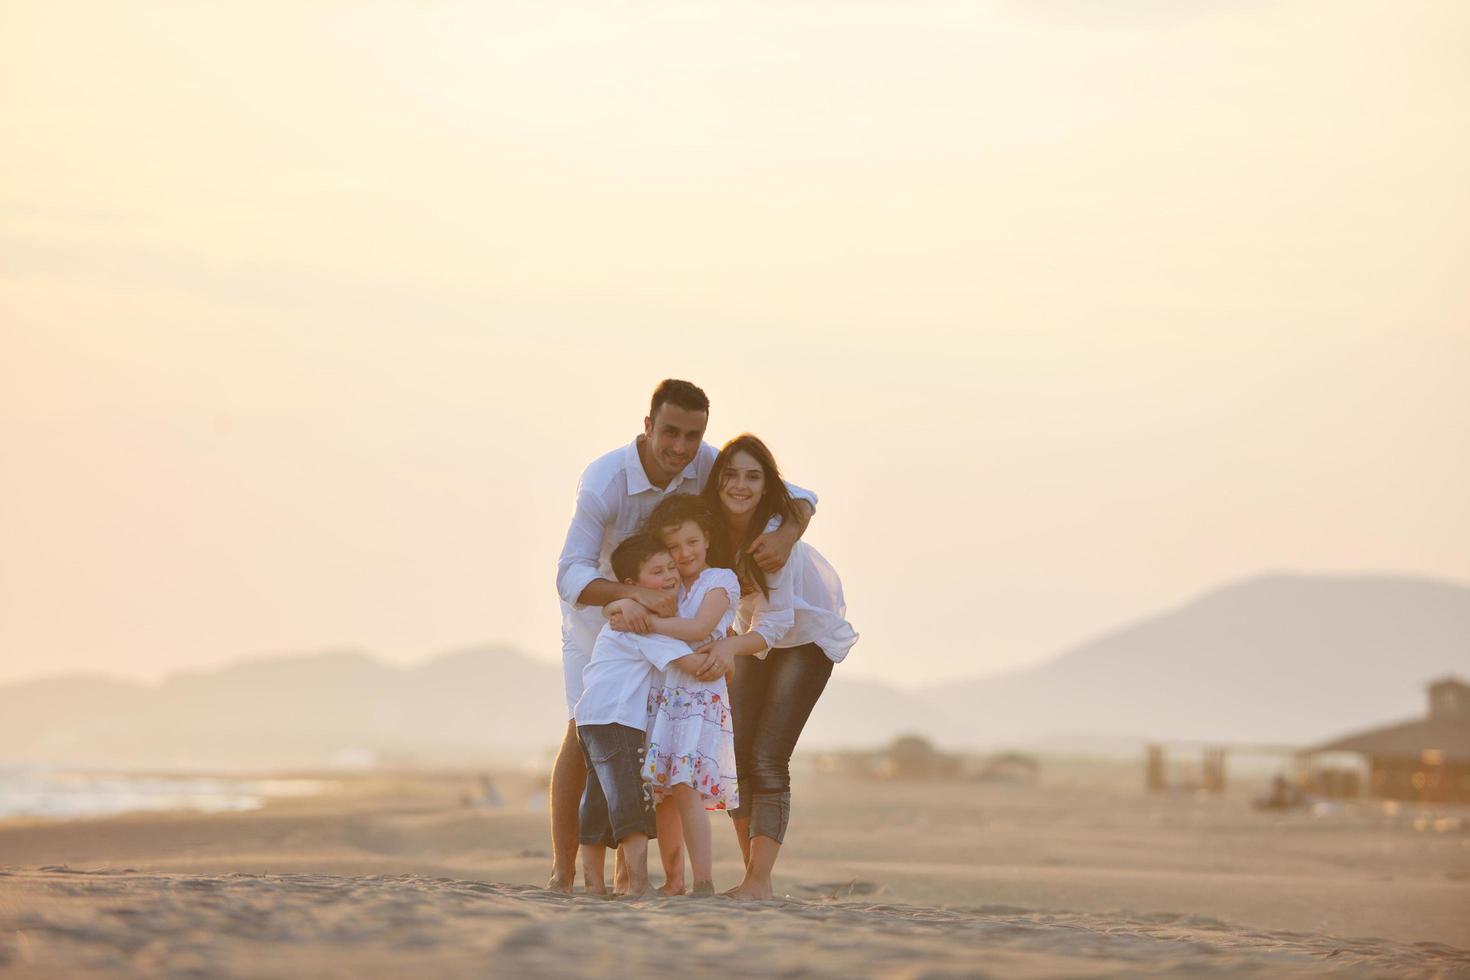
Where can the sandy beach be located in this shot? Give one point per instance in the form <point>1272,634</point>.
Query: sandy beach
<point>389,875</point>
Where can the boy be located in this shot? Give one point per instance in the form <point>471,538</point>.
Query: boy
<point>611,717</point>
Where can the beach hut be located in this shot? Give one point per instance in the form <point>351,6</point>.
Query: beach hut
<point>1427,759</point>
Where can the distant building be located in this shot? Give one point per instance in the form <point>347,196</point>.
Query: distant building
<point>1425,760</point>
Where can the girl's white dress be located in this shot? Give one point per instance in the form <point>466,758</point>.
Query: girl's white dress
<point>690,736</point>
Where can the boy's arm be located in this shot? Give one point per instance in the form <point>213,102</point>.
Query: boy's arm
<point>711,609</point>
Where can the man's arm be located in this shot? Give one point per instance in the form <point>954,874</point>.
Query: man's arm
<point>601,591</point>
<point>578,576</point>
<point>772,550</point>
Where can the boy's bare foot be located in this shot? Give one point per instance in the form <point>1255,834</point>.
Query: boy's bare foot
<point>560,883</point>
<point>703,889</point>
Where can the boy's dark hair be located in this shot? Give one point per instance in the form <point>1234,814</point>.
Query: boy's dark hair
<point>681,393</point>
<point>670,513</point>
<point>628,557</point>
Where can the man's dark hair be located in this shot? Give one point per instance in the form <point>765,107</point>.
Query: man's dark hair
<point>670,513</point>
<point>681,393</point>
<point>628,557</point>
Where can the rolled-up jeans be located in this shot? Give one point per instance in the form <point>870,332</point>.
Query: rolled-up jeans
<point>616,801</point>
<point>770,701</point>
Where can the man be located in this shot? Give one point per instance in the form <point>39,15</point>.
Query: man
<point>614,498</point>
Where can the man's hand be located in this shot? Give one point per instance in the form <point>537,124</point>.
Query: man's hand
<point>627,615</point>
<point>772,549</point>
<point>721,661</point>
<point>665,604</point>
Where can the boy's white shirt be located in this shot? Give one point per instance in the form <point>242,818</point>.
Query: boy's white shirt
<point>614,499</point>
<point>616,682</point>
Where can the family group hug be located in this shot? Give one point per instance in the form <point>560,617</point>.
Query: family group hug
<point>698,632</point>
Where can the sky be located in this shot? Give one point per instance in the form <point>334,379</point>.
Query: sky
<point>311,314</point>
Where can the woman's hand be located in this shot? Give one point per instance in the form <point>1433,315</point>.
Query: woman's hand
<point>721,661</point>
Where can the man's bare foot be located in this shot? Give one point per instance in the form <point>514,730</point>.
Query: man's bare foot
<point>635,892</point>
<point>750,891</point>
<point>703,889</point>
<point>560,883</point>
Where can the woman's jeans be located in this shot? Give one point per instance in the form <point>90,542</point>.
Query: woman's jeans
<point>770,701</point>
<point>616,802</point>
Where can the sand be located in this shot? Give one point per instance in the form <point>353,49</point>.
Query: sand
<point>883,880</point>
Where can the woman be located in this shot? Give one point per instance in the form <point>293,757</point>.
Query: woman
<point>793,628</point>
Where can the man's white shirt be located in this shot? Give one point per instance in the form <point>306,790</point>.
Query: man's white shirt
<point>614,499</point>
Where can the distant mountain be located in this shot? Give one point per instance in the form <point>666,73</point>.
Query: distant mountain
<point>1279,658</point>
<point>304,710</point>
<point>1286,659</point>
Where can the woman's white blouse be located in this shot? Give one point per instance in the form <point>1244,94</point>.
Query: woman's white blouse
<point>805,606</point>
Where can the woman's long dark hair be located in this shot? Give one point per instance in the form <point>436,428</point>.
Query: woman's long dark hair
<point>774,502</point>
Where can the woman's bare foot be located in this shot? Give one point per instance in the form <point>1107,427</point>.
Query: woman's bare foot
<point>750,891</point>
<point>703,889</point>
<point>670,888</point>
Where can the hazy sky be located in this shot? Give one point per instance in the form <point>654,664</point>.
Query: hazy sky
<point>312,313</point>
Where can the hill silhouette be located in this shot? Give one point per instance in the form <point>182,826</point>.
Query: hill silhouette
<point>1278,658</point>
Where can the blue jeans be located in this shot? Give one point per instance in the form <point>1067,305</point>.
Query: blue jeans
<point>770,701</point>
<point>616,802</point>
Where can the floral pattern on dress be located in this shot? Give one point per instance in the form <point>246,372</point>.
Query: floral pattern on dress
<point>691,740</point>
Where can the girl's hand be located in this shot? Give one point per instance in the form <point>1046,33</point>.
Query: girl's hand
<point>627,615</point>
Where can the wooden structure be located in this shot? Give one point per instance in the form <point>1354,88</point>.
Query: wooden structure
<point>1209,779</point>
<point>1428,759</point>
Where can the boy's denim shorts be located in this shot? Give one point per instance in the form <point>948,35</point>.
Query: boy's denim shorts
<point>617,802</point>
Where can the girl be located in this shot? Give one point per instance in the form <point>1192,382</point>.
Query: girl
<point>690,761</point>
